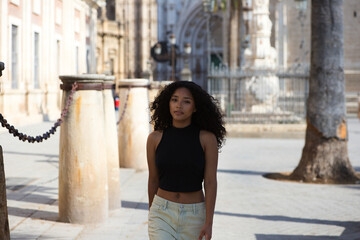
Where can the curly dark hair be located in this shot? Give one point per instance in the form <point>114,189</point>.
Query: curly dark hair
<point>207,116</point>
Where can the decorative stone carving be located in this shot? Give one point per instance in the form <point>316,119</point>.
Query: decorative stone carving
<point>263,90</point>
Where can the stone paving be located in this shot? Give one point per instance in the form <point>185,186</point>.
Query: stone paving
<point>248,207</point>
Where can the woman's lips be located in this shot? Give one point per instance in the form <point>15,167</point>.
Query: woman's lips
<point>178,112</point>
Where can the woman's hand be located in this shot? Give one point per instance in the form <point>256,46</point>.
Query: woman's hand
<point>206,231</point>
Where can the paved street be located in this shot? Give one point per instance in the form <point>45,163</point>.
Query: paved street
<point>249,206</point>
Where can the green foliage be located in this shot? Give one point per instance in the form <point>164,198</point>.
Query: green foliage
<point>233,4</point>
<point>223,5</point>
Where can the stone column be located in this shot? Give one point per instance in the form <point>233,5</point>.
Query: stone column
<point>155,88</point>
<point>111,143</point>
<point>134,124</point>
<point>83,187</point>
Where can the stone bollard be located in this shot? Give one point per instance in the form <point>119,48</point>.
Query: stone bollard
<point>155,88</point>
<point>134,124</point>
<point>83,187</point>
<point>4,221</point>
<point>111,140</point>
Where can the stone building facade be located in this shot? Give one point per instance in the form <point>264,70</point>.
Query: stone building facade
<point>39,41</point>
<point>229,36</point>
<point>140,27</point>
<point>42,39</point>
<point>110,43</point>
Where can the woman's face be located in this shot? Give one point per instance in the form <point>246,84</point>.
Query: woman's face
<point>182,106</point>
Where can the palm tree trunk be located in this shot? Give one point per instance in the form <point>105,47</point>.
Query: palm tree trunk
<point>325,157</point>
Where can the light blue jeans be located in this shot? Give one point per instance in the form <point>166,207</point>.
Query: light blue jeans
<point>169,220</point>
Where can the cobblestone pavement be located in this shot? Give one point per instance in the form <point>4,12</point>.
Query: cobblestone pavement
<point>248,207</point>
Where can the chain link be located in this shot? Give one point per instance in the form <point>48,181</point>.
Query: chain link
<point>23,137</point>
<point>125,106</point>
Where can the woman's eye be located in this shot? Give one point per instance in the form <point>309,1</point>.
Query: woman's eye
<point>174,99</point>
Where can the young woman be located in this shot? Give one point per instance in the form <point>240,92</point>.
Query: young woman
<point>182,152</point>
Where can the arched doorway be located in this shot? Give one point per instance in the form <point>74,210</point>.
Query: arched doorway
<point>190,27</point>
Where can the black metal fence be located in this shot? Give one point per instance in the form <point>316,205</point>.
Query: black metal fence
<point>260,96</point>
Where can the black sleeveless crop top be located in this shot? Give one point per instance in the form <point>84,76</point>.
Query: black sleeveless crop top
<point>180,160</point>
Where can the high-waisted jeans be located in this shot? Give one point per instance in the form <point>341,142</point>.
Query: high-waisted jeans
<point>169,220</point>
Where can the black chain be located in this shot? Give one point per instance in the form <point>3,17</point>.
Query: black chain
<point>125,106</point>
<point>23,137</point>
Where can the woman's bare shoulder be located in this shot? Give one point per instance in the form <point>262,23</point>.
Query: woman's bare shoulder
<point>155,137</point>
<point>207,137</point>
<point>156,134</point>
<point>206,134</point>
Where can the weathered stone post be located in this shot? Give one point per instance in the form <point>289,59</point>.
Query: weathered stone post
<point>155,88</point>
<point>134,124</point>
<point>4,221</point>
<point>111,143</point>
<point>83,187</point>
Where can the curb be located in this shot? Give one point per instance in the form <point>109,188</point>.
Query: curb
<point>266,130</point>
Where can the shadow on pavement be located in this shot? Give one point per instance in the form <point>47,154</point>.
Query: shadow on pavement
<point>32,198</point>
<point>21,236</point>
<point>135,205</point>
<point>351,227</point>
<point>292,237</point>
<point>244,172</point>
<point>33,154</point>
<point>33,213</point>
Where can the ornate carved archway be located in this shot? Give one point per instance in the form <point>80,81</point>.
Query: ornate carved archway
<point>190,28</point>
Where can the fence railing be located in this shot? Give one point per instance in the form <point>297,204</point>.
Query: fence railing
<point>260,96</point>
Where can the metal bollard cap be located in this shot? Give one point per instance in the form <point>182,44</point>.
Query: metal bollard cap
<point>84,81</point>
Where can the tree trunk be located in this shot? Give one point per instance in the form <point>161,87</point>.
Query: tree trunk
<point>325,157</point>
<point>4,222</point>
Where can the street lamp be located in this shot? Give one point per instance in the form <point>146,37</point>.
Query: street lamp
<point>172,40</point>
<point>186,73</point>
<point>207,10</point>
<point>159,53</point>
<point>187,48</point>
<point>158,49</point>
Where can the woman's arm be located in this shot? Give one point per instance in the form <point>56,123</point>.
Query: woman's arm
<point>153,181</point>
<point>210,183</point>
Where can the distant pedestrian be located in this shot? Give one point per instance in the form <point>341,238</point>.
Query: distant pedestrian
<point>182,152</point>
